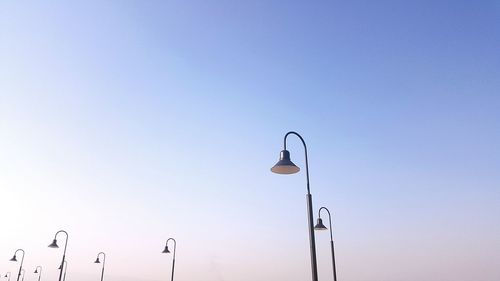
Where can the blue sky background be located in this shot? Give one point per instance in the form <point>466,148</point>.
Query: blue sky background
<point>128,122</point>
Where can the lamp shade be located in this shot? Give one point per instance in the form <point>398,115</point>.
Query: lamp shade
<point>36,271</point>
<point>97,260</point>
<point>53,244</point>
<point>320,225</point>
<point>166,251</point>
<point>13,258</point>
<point>285,165</point>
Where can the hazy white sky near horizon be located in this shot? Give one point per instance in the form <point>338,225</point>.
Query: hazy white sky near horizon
<point>128,122</point>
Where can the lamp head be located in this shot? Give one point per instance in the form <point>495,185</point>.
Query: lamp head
<point>13,258</point>
<point>97,260</point>
<point>285,165</point>
<point>166,251</point>
<point>54,244</point>
<point>320,225</point>
<point>36,271</point>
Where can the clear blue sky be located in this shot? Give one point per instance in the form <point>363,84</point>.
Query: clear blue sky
<point>128,122</point>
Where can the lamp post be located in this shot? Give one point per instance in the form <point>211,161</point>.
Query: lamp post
<point>7,275</point>
<point>103,263</point>
<point>14,258</point>
<point>39,272</point>
<point>54,245</point>
<point>286,166</point>
<point>65,268</point>
<point>167,251</point>
<point>321,226</point>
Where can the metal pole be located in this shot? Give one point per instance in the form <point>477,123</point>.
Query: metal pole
<point>173,260</point>
<point>64,253</point>
<point>103,264</point>
<point>333,262</point>
<point>331,240</point>
<point>312,240</point>
<point>21,265</point>
<point>65,269</point>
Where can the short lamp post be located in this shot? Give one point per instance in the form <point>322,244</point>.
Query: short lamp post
<point>14,258</point>
<point>167,251</point>
<point>54,245</point>
<point>39,272</point>
<point>7,275</point>
<point>321,226</point>
<point>286,166</point>
<point>103,263</point>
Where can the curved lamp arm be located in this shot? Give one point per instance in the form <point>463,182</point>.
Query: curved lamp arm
<point>175,244</point>
<point>305,153</point>
<point>39,272</point>
<point>329,220</point>
<point>103,257</point>
<point>66,242</point>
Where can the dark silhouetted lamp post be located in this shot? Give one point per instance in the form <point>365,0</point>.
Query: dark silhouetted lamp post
<point>65,268</point>
<point>14,258</point>
<point>167,251</point>
<point>39,272</point>
<point>103,263</point>
<point>321,226</point>
<point>286,166</point>
<point>54,245</point>
<point>7,275</point>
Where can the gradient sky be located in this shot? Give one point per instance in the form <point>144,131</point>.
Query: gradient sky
<point>128,122</point>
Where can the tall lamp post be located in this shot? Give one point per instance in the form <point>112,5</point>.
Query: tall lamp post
<point>7,275</point>
<point>321,226</point>
<point>14,258</point>
<point>103,263</point>
<point>65,268</point>
<point>167,251</point>
<point>286,166</point>
<point>39,272</point>
<point>54,245</point>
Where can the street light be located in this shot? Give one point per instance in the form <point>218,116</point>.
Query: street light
<point>54,245</point>
<point>320,226</point>
<point>65,269</point>
<point>167,251</point>
<point>14,258</point>
<point>286,166</point>
<point>103,263</point>
<point>7,274</point>
<point>39,272</point>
